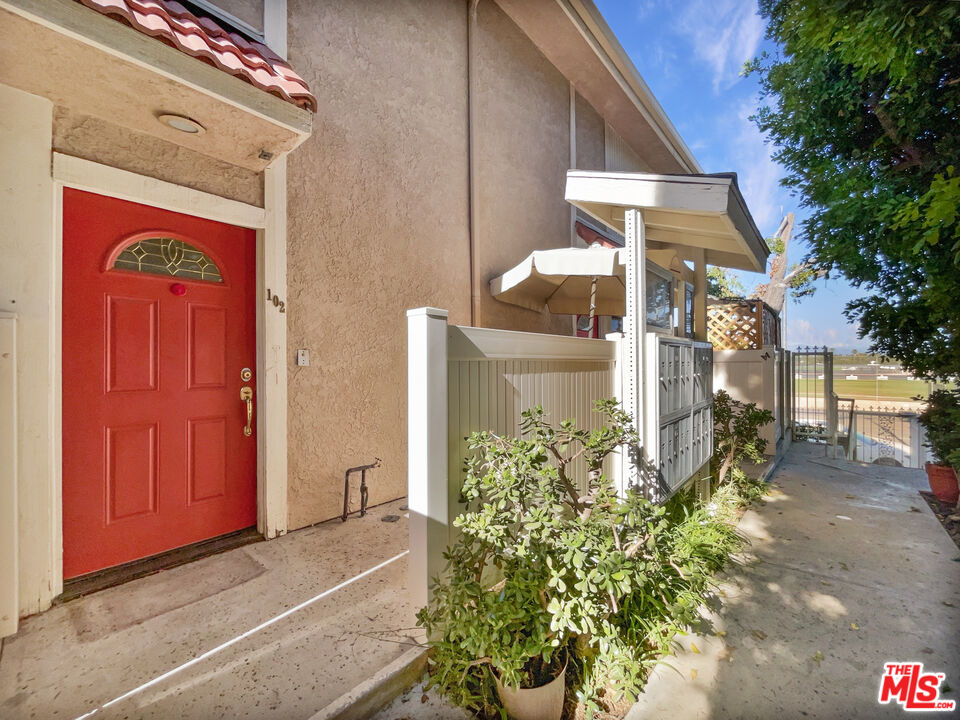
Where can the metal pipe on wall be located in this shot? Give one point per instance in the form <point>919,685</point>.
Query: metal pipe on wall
<point>471,165</point>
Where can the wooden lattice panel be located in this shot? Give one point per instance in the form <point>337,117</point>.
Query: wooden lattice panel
<point>742,325</point>
<point>735,325</point>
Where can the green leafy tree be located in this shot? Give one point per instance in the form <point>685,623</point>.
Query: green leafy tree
<point>941,419</point>
<point>863,107</point>
<point>722,283</point>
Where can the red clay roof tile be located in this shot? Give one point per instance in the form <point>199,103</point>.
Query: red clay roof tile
<point>200,37</point>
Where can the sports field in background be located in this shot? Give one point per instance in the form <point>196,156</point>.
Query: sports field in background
<point>868,388</point>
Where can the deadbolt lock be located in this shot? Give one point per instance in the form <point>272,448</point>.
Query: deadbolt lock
<point>246,374</point>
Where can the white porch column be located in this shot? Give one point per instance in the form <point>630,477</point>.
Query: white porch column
<point>29,276</point>
<point>427,485</point>
<point>272,356</point>
<point>272,326</point>
<point>9,599</point>
<point>632,368</point>
<point>699,294</point>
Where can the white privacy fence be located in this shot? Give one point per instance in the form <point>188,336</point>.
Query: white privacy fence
<point>763,377</point>
<point>461,380</point>
<point>494,375</point>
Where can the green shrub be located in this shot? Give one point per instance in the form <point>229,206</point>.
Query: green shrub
<point>545,572</point>
<point>736,437</point>
<point>941,419</point>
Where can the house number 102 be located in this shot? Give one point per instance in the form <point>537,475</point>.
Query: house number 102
<point>277,302</point>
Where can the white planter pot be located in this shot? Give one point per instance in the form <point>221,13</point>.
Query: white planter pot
<point>539,703</point>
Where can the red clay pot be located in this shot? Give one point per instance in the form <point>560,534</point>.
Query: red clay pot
<point>943,482</point>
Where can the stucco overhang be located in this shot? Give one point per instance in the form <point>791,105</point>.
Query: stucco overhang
<point>90,63</point>
<point>679,211</point>
<point>573,35</point>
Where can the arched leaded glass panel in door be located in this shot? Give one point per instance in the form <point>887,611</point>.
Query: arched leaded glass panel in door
<point>168,256</point>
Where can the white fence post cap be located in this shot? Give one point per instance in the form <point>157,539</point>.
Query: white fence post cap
<point>429,312</point>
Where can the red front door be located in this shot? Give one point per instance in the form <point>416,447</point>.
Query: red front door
<point>158,327</point>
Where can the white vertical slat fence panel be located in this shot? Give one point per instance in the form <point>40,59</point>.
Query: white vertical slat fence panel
<point>495,375</point>
<point>491,395</point>
<point>463,380</point>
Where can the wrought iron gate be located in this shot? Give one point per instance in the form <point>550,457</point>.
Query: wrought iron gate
<point>867,433</point>
<point>813,414</point>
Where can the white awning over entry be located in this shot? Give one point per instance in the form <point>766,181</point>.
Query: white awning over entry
<point>695,211</point>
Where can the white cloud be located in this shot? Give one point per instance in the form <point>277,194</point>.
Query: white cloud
<point>725,34</point>
<point>757,173</point>
<point>665,60</point>
<point>804,332</point>
<point>645,8</point>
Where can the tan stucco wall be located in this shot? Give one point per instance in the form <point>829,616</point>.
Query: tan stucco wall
<point>522,156</point>
<point>590,137</point>
<point>98,140</point>
<point>378,215</point>
<point>377,208</point>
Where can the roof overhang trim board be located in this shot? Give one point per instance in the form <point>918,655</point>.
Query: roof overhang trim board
<point>104,33</point>
<point>680,211</point>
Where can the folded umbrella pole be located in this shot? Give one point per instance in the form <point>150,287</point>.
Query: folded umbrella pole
<point>593,303</point>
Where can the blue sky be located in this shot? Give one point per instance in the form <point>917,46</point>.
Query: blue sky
<point>690,53</point>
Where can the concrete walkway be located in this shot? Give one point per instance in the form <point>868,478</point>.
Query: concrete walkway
<point>276,629</point>
<point>847,568</point>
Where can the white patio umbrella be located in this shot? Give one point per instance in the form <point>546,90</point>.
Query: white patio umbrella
<point>574,281</point>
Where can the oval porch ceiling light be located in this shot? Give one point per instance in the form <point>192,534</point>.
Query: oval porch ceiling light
<point>182,123</point>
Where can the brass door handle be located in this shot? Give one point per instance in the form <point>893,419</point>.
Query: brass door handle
<point>246,394</point>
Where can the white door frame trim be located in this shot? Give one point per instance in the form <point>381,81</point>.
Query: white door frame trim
<point>270,224</point>
<point>74,172</point>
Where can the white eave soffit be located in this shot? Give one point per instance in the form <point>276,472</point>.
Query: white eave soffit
<point>680,211</point>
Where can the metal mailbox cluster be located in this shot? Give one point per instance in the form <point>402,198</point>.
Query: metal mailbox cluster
<point>684,406</point>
